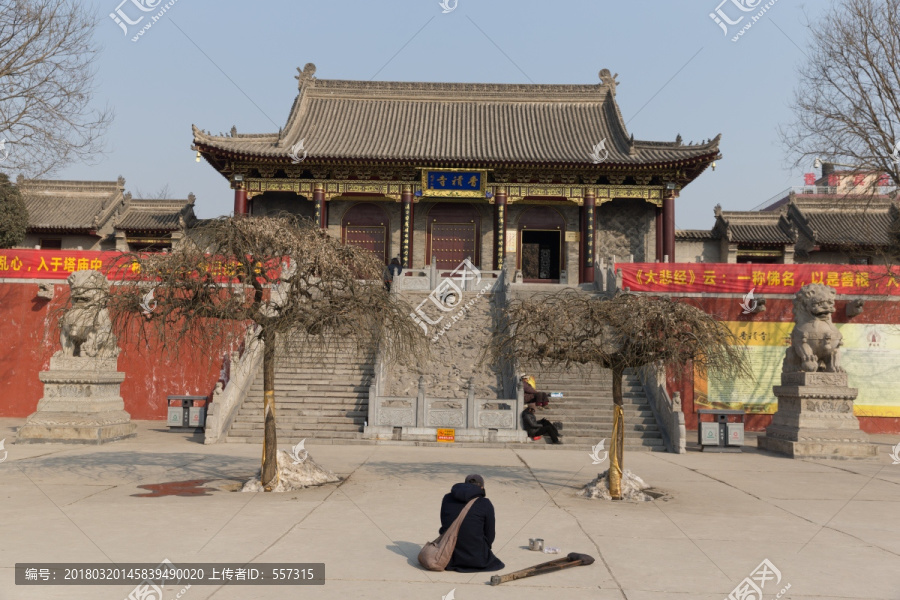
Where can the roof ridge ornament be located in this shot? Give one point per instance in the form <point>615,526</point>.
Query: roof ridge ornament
<point>609,80</point>
<point>306,74</point>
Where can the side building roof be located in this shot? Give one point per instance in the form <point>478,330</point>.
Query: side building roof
<point>859,221</point>
<point>156,215</point>
<point>754,227</point>
<point>70,206</point>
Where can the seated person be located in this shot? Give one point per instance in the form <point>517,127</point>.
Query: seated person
<point>476,533</point>
<point>535,428</point>
<point>532,396</point>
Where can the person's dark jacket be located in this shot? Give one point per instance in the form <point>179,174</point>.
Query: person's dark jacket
<point>476,534</point>
<point>529,423</point>
<point>529,392</point>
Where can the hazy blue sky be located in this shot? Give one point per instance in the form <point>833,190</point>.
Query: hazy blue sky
<point>678,73</point>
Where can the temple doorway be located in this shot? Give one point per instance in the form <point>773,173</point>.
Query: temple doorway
<point>365,225</point>
<point>453,235</point>
<point>541,244</point>
<point>541,250</point>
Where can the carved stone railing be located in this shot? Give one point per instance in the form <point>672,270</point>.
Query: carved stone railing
<point>419,418</point>
<point>427,279</point>
<point>666,410</point>
<point>226,402</point>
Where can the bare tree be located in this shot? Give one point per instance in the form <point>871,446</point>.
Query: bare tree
<point>847,103</point>
<point>298,286</point>
<point>162,193</point>
<point>626,331</point>
<point>47,58</point>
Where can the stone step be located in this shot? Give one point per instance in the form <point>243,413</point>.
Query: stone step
<point>597,399</point>
<point>329,391</point>
<point>347,410</point>
<point>257,438</point>
<point>630,444</point>
<point>321,373</point>
<point>599,421</point>
<point>289,404</point>
<point>239,427</point>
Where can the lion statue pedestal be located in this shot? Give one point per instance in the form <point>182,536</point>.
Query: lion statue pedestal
<point>81,402</point>
<point>815,405</point>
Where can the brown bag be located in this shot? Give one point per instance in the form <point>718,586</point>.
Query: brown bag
<point>435,556</point>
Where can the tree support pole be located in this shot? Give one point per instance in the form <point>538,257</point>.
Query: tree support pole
<point>617,447</point>
<point>269,471</point>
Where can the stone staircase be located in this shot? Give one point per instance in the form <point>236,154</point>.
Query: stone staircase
<point>324,398</point>
<point>586,409</point>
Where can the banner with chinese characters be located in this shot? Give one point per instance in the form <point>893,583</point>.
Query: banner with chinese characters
<point>772,279</point>
<point>59,264</point>
<point>870,354</point>
<point>453,183</point>
<point>52,264</point>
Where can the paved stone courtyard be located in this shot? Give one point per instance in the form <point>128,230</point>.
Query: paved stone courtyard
<point>832,528</point>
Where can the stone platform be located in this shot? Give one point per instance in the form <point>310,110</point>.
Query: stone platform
<point>81,404</point>
<point>815,419</point>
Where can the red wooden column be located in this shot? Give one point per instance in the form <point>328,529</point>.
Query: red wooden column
<point>659,234</point>
<point>240,200</point>
<point>669,225</point>
<point>321,206</point>
<point>500,205</point>
<point>587,236</point>
<point>406,228</point>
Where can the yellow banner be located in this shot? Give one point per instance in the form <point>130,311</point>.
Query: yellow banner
<point>870,353</point>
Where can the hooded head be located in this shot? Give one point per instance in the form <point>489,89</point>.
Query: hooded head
<point>475,479</point>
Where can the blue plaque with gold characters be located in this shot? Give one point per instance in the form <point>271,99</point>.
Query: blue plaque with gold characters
<point>454,183</point>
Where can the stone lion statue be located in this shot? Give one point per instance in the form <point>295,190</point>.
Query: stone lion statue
<point>815,341</point>
<point>86,329</point>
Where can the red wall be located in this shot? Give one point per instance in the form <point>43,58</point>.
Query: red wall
<point>779,310</point>
<point>29,337</point>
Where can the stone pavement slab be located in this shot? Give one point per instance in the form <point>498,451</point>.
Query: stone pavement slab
<point>831,527</point>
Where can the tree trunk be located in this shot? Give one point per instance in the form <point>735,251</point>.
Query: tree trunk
<point>269,473</point>
<point>617,447</point>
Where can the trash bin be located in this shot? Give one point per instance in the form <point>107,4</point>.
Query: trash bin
<point>197,413</point>
<point>735,434</point>
<point>720,435</point>
<point>187,411</point>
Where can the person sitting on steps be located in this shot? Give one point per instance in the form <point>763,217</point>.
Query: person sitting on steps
<point>535,428</point>
<point>532,396</point>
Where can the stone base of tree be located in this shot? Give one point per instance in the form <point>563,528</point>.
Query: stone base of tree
<point>294,476</point>
<point>632,487</point>
<point>815,419</point>
<point>81,404</point>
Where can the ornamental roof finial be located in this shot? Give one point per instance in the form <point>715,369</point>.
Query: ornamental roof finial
<point>609,80</point>
<point>306,74</point>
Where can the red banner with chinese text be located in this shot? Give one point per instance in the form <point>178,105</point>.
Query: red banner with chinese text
<point>762,278</point>
<point>53,264</point>
<point>59,264</point>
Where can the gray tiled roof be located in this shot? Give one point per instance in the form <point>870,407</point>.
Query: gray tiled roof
<point>154,215</point>
<point>848,228</point>
<point>754,227</point>
<point>446,122</point>
<point>694,234</point>
<point>70,205</point>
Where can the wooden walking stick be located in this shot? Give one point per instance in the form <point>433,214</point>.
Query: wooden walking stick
<point>572,560</point>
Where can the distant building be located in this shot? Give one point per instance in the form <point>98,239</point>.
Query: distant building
<point>100,215</point>
<point>153,224</point>
<point>842,218</point>
<point>71,214</point>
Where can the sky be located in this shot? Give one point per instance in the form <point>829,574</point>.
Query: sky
<point>221,63</point>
